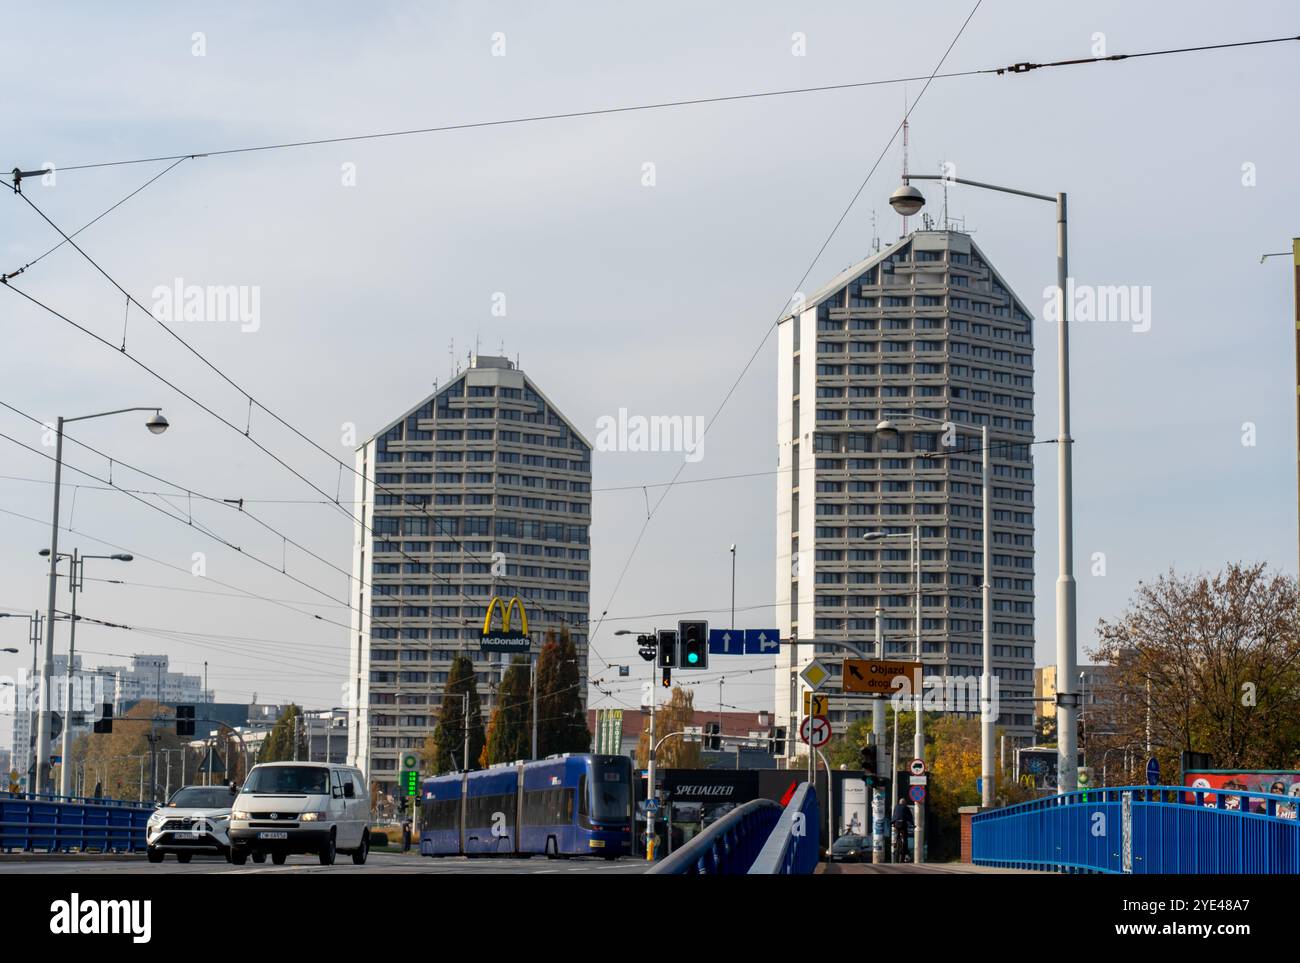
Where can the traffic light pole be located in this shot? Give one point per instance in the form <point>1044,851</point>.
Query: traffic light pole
<point>651,802</point>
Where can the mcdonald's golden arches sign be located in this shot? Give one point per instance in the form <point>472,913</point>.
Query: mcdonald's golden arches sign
<point>505,639</point>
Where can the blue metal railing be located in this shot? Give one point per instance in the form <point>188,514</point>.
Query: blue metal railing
<point>31,822</point>
<point>792,846</point>
<point>1143,829</point>
<point>729,846</point>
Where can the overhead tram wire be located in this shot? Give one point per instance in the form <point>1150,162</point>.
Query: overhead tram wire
<point>1016,68</point>
<point>772,327</point>
<point>14,274</point>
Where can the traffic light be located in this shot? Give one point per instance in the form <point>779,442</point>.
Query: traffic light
<point>647,647</point>
<point>104,724</point>
<point>778,741</point>
<point>694,645</point>
<point>667,649</point>
<point>184,720</point>
<point>867,760</point>
<point>667,681</point>
<point>711,739</point>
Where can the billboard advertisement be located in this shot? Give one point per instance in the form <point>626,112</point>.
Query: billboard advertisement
<point>1276,781</point>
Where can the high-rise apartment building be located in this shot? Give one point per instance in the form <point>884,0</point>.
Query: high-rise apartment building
<point>481,490</point>
<point>927,328</point>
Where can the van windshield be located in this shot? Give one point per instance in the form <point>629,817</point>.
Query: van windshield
<point>288,779</point>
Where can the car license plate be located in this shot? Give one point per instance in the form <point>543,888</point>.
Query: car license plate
<point>188,835</point>
<point>272,835</point>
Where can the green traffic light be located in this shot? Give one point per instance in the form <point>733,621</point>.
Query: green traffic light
<point>693,657</point>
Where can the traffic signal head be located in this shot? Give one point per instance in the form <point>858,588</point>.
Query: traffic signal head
<point>184,720</point>
<point>867,759</point>
<point>667,648</point>
<point>694,644</point>
<point>667,680</point>
<point>104,724</point>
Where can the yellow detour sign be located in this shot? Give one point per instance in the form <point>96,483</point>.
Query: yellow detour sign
<point>815,705</point>
<point>505,640</point>
<point>878,676</point>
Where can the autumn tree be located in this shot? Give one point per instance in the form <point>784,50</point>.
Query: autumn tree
<point>446,754</point>
<point>118,760</point>
<point>672,716</point>
<point>1217,660</point>
<point>509,735</point>
<point>287,739</point>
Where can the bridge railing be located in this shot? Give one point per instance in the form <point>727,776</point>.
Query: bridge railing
<point>1143,829</point>
<point>32,822</point>
<point>727,847</point>
<point>792,846</point>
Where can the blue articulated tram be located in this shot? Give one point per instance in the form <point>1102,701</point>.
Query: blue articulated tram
<point>570,805</point>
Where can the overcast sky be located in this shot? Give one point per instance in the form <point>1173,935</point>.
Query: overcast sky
<point>1180,170</point>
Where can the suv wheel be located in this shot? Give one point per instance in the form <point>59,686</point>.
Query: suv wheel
<point>238,855</point>
<point>331,848</point>
<point>154,854</point>
<point>361,852</point>
<point>183,857</point>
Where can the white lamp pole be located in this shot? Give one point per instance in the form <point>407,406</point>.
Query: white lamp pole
<point>907,200</point>
<point>157,424</point>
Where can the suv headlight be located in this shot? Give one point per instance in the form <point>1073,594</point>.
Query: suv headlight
<point>313,817</point>
<point>238,814</point>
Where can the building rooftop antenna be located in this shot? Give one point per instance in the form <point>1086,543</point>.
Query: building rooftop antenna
<point>904,151</point>
<point>943,169</point>
<point>875,234</point>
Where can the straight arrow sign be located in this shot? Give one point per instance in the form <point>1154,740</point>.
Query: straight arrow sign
<point>726,642</point>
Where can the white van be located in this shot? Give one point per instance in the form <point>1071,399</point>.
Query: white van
<point>300,807</point>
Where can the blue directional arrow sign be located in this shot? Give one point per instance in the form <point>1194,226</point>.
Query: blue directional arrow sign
<point>726,641</point>
<point>762,641</point>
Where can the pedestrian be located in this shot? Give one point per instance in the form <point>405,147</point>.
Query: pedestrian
<point>406,835</point>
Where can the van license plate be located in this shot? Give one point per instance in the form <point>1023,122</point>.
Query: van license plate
<point>272,835</point>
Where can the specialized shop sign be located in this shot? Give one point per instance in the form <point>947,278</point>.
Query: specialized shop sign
<point>879,676</point>
<point>505,640</point>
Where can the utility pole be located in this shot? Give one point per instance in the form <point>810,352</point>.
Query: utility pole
<point>465,767</point>
<point>532,672</point>
<point>918,741</point>
<point>879,818</point>
<point>651,802</point>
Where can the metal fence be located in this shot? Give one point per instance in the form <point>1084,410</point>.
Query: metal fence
<point>727,847</point>
<point>1143,829</point>
<point>31,822</point>
<point>792,846</point>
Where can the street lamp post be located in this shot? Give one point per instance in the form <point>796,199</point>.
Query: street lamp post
<point>76,583</point>
<point>157,425</point>
<point>987,713</point>
<point>918,696</point>
<point>907,200</point>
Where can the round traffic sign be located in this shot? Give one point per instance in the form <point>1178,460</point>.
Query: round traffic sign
<point>918,767</point>
<point>815,730</point>
<point>916,793</point>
